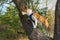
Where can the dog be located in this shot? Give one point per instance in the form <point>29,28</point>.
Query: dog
<point>35,17</point>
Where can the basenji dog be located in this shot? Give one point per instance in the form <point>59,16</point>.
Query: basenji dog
<point>35,17</point>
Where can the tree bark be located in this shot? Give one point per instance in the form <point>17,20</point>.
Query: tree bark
<point>57,21</point>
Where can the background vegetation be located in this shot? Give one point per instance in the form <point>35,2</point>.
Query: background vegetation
<point>11,27</point>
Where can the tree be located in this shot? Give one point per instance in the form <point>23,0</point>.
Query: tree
<point>57,21</point>
<point>27,24</point>
<point>24,19</point>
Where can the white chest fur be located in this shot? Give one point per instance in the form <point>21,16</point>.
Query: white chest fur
<point>29,11</point>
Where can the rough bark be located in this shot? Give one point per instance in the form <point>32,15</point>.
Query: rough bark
<point>38,35</point>
<point>57,21</point>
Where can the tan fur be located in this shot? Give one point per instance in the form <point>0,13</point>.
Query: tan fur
<point>41,19</point>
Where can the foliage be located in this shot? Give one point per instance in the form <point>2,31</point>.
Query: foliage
<point>10,22</point>
<point>11,17</point>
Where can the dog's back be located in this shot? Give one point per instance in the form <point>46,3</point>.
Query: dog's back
<point>41,19</point>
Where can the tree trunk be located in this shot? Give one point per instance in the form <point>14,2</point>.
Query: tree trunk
<point>33,34</point>
<point>27,24</point>
<point>57,21</point>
